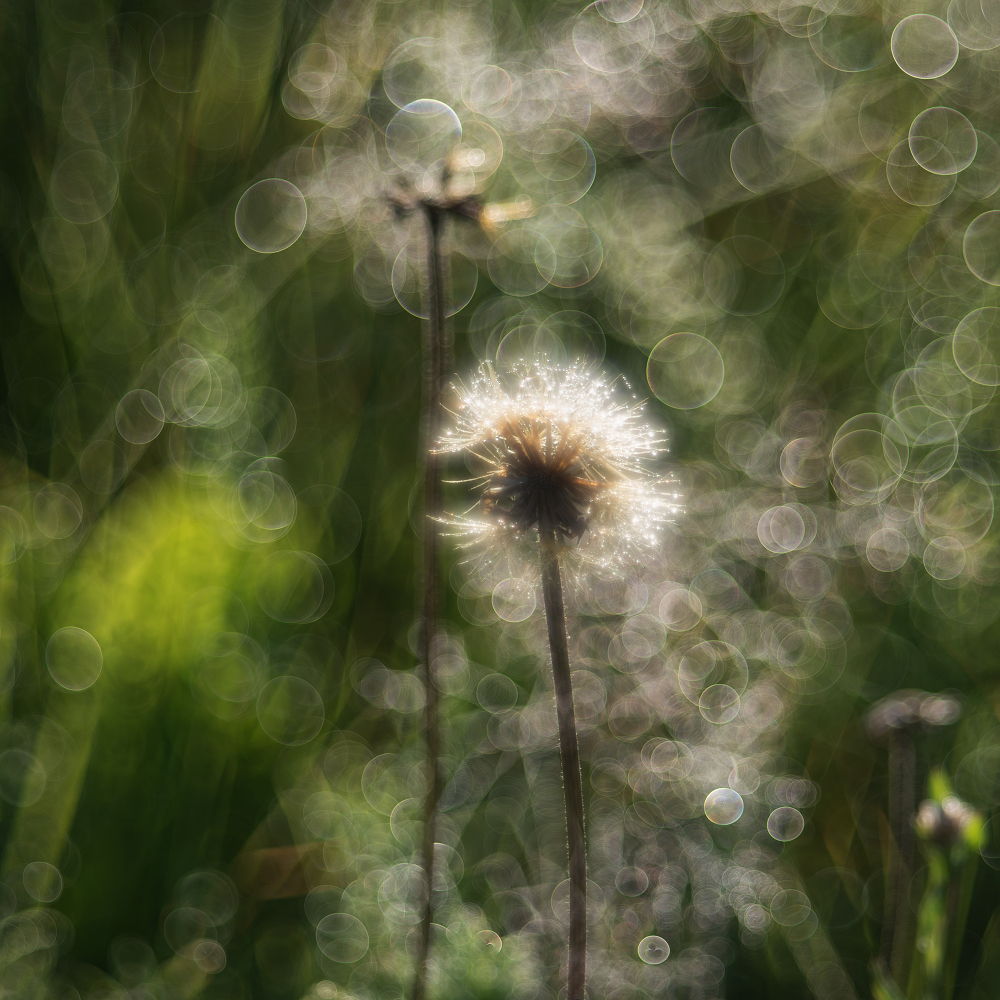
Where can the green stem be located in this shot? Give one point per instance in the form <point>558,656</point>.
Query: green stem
<point>897,928</point>
<point>959,897</point>
<point>569,753</point>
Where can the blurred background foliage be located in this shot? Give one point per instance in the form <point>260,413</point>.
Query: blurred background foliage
<point>210,750</point>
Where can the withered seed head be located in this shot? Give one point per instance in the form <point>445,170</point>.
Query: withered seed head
<point>406,201</point>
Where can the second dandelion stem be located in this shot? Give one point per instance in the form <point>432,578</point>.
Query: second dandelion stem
<point>435,352</point>
<point>569,753</point>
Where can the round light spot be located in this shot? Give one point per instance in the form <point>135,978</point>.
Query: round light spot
<point>758,161</point>
<point>271,215</point>
<point>712,664</point>
<point>558,169</point>
<point>496,693</point>
<point>976,346</point>
<point>719,704</point>
<point>781,529</point>
<point>210,892</point>
<point>521,262</point>
<point>132,958</point>
<point>342,938</point>
<point>680,610</point>
<point>84,186</point>
<point>208,955</point>
<point>944,558</point>
<point>744,777</point>
<point>685,371</point>
<point>911,182</point>
<point>409,288</point>
<point>139,417</point>
<point>570,334</point>
<point>578,250</point>
<point>790,907</point>
<point>803,461</point>
<point>184,927</point>
<point>422,133</point>
<point>723,806</point>
<point>981,247</point>
<point>869,454</point>
<point>74,658</point>
<point>845,41</point>
<point>887,550</point>
<point>324,899</point>
<point>490,940</point>
<point>755,917</point>
<point>294,586</point>
<point>631,881</point>
<point>982,177</point>
<point>943,141</point>
<point>57,510</point>
<point>618,11</point>
<point>785,823</point>
<point>654,950</point>
<point>267,508</point>
<point>290,710</point>
<point>42,881</point>
<point>514,600</point>
<point>924,46</point>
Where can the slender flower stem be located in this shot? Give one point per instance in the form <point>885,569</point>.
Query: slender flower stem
<point>569,753</point>
<point>435,352</point>
<point>959,897</point>
<point>897,920</point>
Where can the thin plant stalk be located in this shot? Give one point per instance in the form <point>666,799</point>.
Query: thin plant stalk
<point>959,897</point>
<point>435,356</point>
<point>569,754</point>
<point>897,927</point>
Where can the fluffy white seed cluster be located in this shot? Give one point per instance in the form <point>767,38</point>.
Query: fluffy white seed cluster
<point>561,446</point>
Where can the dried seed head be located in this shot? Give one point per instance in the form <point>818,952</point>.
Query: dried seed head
<point>910,711</point>
<point>945,822</point>
<point>564,449</point>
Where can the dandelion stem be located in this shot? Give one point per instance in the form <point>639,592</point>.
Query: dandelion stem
<point>569,753</point>
<point>435,352</point>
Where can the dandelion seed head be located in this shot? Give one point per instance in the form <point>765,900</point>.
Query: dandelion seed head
<point>562,446</point>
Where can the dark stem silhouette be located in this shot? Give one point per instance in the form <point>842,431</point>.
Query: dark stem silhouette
<point>569,753</point>
<point>435,361</point>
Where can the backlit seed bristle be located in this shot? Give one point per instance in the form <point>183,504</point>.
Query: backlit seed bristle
<point>544,475</point>
<point>567,445</point>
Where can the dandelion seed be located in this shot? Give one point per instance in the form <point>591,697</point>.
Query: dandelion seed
<point>562,445</point>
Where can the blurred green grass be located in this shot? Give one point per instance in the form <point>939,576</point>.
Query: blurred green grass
<point>148,776</point>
